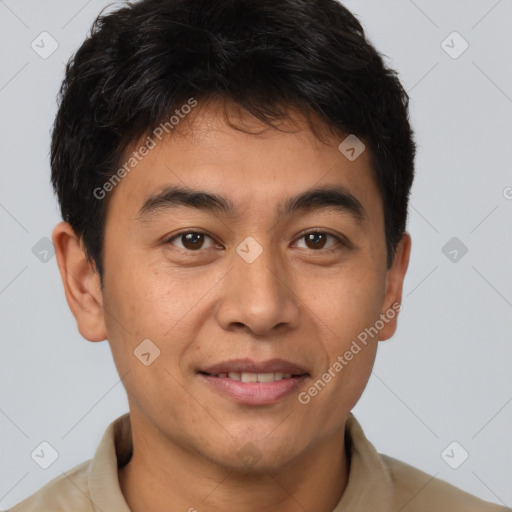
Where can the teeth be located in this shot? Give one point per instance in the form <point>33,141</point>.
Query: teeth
<point>255,377</point>
<point>249,377</point>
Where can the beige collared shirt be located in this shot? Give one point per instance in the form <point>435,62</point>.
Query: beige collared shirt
<point>376,483</point>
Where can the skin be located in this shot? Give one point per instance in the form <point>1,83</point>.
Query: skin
<point>207,305</point>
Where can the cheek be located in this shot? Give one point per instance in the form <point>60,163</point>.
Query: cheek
<point>149,299</point>
<point>345,302</point>
<point>345,308</point>
<point>148,305</point>
<point>349,308</point>
<point>167,306</point>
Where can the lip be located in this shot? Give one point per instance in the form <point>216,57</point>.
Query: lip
<point>254,393</point>
<point>250,366</point>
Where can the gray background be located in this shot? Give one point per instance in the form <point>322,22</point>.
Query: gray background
<point>444,377</point>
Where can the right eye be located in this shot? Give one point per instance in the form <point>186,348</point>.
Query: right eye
<point>192,241</point>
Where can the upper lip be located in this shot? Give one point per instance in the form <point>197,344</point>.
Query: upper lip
<point>250,366</point>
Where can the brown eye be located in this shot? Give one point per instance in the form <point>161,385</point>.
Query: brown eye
<point>315,240</point>
<point>318,240</point>
<point>192,241</point>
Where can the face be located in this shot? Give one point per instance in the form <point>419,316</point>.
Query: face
<point>271,276</point>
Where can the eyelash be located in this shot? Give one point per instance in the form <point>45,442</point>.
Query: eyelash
<point>340,241</point>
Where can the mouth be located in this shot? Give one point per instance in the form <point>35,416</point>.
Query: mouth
<point>253,377</point>
<point>254,383</point>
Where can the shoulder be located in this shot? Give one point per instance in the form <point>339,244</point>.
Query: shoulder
<point>416,491</point>
<point>69,491</point>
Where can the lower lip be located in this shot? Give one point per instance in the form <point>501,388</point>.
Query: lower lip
<point>255,393</point>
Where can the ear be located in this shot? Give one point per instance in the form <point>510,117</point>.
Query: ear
<point>81,283</point>
<point>394,285</point>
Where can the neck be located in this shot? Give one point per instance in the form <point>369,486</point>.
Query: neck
<point>161,473</point>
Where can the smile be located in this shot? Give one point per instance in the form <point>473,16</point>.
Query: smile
<point>250,382</point>
<point>253,377</point>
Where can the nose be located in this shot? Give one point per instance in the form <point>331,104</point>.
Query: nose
<point>258,297</point>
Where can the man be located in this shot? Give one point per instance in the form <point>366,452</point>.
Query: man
<point>233,178</point>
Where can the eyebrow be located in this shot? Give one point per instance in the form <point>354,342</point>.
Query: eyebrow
<point>335,198</point>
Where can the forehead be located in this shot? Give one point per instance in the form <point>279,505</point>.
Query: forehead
<point>225,150</point>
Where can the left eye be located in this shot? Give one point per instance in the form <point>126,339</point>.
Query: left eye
<point>318,240</point>
<point>192,240</point>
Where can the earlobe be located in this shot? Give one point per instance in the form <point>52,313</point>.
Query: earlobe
<point>394,287</point>
<point>81,283</point>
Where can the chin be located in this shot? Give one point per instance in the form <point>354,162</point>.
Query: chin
<point>258,456</point>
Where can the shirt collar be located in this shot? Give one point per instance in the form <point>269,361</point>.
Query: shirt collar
<point>368,488</point>
<point>113,452</point>
<point>369,485</point>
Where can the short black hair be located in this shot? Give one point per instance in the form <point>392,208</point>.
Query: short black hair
<point>148,58</point>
